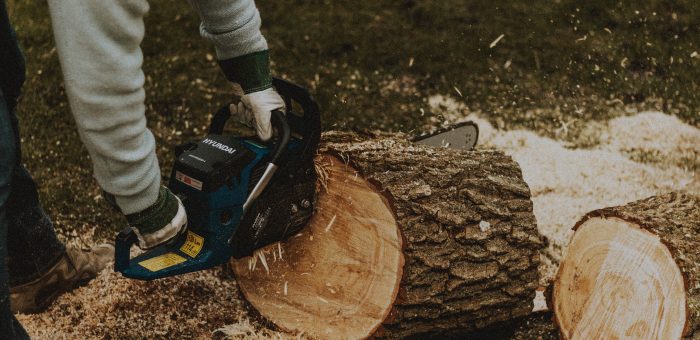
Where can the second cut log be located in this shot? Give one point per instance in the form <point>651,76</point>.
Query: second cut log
<point>631,272</point>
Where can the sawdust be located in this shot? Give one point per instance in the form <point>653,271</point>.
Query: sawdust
<point>198,305</point>
<point>244,329</point>
<point>322,170</point>
<point>626,159</point>
<point>653,137</point>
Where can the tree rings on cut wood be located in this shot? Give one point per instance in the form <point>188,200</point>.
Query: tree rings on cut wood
<point>406,241</point>
<point>631,272</point>
<point>341,273</point>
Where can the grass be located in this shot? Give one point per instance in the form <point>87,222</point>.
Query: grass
<point>373,64</point>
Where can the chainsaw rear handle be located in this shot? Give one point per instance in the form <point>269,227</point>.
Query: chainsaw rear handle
<point>122,248</point>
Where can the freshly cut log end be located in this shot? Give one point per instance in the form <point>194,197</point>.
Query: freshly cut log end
<point>339,277</point>
<point>632,272</point>
<point>616,271</point>
<point>406,241</point>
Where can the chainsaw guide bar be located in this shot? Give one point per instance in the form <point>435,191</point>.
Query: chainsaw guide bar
<point>461,136</point>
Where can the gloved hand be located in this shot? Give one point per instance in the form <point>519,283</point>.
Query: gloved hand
<point>254,109</point>
<point>250,75</point>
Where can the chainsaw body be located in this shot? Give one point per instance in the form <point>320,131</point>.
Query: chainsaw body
<point>240,194</point>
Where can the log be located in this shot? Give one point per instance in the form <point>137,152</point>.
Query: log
<point>406,241</point>
<point>632,272</point>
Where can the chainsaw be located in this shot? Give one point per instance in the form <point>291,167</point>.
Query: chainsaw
<point>240,194</point>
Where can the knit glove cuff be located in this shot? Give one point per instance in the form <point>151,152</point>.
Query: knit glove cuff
<point>251,71</point>
<point>160,222</point>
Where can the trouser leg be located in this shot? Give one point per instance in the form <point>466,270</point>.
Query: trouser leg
<point>12,73</point>
<point>9,327</point>
<point>11,78</point>
<point>32,245</point>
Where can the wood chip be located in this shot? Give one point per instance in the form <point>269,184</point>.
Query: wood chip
<point>261,255</point>
<point>484,226</point>
<point>495,42</point>
<point>458,91</point>
<point>330,224</point>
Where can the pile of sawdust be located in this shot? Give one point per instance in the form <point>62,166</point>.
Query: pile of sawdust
<point>657,138</point>
<point>197,305</point>
<point>631,158</point>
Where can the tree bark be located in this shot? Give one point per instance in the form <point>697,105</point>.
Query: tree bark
<point>632,271</point>
<point>463,231</point>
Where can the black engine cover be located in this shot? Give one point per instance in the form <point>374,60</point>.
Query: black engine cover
<point>281,211</point>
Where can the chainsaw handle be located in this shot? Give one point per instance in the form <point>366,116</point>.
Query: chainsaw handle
<point>277,119</point>
<point>122,248</point>
<point>216,127</point>
<point>306,124</point>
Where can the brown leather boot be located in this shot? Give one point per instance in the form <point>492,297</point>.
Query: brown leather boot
<point>74,269</point>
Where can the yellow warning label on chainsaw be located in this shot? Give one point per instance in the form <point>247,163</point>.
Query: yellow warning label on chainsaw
<point>161,262</point>
<point>193,245</point>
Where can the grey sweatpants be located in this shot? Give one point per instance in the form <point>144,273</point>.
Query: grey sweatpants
<point>98,46</point>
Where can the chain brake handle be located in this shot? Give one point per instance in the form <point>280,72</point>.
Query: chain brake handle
<point>305,125</point>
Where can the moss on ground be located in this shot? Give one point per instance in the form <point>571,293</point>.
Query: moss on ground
<point>373,64</point>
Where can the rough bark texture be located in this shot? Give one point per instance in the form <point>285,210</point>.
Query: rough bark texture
<point>471,244</point>
<point>675,218</point>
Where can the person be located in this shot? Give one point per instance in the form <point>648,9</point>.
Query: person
<point>98,48</point>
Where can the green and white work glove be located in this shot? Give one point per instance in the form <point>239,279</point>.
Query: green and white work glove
<point>250,74</point>
<point>159,223</point>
